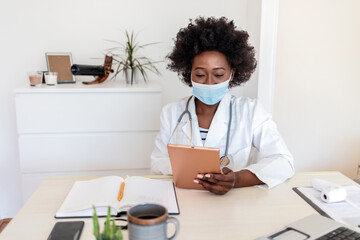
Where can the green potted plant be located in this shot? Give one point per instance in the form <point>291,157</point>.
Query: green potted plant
<point>111,231</point>
<point>129,62</point>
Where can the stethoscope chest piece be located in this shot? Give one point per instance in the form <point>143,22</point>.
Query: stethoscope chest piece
<point>224,161</point>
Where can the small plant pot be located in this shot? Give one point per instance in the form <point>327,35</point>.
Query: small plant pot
<point>135,76</point>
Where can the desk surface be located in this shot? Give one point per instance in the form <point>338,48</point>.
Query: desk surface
<point>243,213</point>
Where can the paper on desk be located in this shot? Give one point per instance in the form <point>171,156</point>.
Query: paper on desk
<point>347,212</point>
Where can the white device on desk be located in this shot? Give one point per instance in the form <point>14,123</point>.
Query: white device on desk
<point>330,192</point>
<point>313,227</point>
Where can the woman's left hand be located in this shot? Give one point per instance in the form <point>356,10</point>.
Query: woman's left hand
<point>217,183</point>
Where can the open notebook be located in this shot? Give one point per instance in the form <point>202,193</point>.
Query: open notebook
<point>103,192</point>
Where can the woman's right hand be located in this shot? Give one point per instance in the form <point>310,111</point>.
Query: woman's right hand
<point>217,183</point>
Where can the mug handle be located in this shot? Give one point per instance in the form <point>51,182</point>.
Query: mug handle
<point>177,226</point>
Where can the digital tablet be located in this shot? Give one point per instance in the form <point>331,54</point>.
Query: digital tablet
<point>188,161</point>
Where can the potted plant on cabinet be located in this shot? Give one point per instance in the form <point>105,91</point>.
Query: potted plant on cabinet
<point>128,62</point>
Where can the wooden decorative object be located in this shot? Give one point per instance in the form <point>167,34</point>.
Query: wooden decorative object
<point>108,70</point>
<point>3,223</point>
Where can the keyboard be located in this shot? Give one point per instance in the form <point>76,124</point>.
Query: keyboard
<point>341,233</point>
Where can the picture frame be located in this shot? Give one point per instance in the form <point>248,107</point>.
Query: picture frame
<point>61,63</point>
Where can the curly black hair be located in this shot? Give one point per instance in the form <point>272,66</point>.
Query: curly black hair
<point>207,34</point>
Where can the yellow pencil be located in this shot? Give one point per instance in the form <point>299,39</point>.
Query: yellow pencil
<point>121,192</point>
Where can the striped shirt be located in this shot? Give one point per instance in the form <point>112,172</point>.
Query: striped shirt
<point>203,134</point>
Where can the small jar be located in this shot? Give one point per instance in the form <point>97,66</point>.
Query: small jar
<point>35,78</point>
<point>51,78</point>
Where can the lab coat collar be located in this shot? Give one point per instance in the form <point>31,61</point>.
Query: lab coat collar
<point>218,127</point>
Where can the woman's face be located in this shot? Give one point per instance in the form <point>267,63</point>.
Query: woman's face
<point>210,67</point>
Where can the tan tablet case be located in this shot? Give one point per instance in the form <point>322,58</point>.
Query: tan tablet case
<point>188,161</point>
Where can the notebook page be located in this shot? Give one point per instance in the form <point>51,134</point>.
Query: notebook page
<point>99,192</point>
<point>140,190</point>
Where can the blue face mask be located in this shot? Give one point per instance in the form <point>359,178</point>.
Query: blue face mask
<point>210,94</point>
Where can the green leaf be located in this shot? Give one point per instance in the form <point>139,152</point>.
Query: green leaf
<point>96,224</point>
<point>119,235</point>
<point>112,229</point>
<point>107,225</point>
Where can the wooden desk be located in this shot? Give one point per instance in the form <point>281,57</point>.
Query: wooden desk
<point>244,213</point>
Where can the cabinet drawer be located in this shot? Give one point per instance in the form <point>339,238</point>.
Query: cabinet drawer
<point>88,112</point>
<point>85,152</point>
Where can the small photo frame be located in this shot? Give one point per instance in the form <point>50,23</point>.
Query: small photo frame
<point>60,62</point>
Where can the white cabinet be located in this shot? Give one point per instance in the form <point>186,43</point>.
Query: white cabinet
<point>78,130</point>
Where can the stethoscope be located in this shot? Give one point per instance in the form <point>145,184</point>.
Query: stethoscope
<point>224,160</point>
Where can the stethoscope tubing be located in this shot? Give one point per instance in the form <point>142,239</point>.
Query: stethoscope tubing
<point>186,111</point>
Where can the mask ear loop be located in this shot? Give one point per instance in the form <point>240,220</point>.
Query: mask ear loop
<point>179,120</point>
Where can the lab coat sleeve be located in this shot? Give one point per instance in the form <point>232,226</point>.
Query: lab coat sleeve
<point>274,163</point>
<point>160,163</point>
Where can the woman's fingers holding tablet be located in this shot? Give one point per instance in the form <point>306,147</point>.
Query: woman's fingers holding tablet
<point>217,183</point>
<point>217,188</point>
<point>227,176</point>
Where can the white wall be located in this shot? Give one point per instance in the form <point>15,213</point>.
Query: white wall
<point>31,28</point>
<point>317,100</point>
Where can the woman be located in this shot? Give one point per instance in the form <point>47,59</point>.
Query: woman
<point>211,55</point>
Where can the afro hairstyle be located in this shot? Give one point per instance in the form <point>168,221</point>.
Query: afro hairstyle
<point>213,34</point>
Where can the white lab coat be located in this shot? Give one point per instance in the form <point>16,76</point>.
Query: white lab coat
<point>251,126</point>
